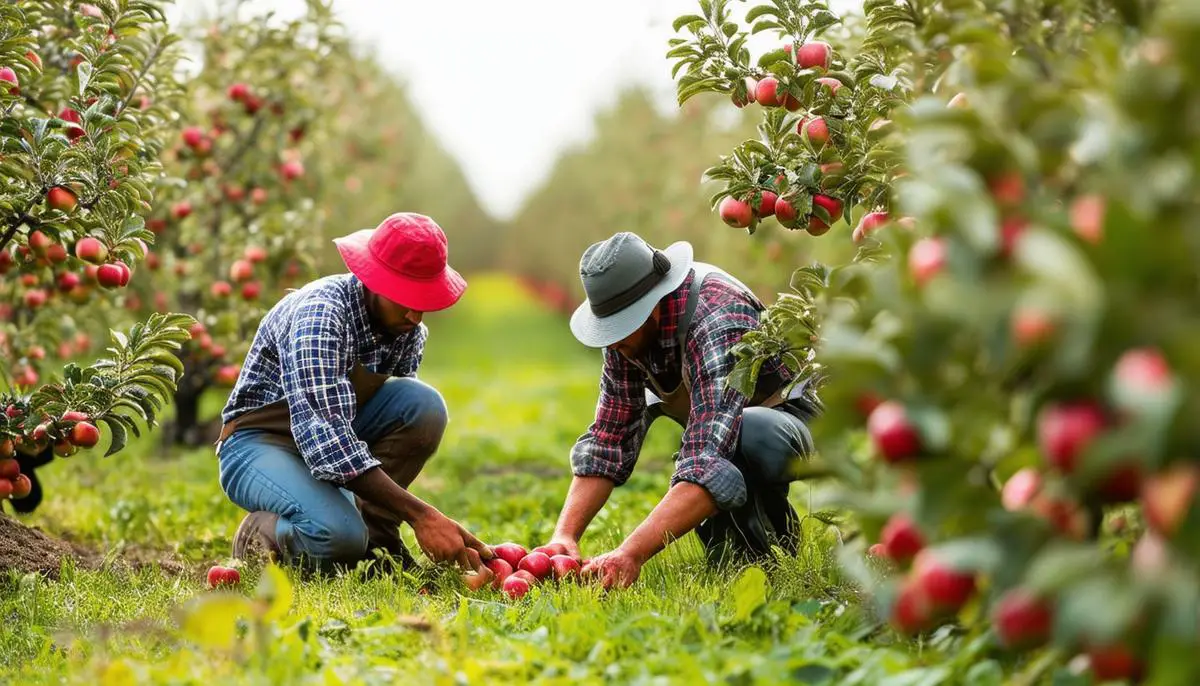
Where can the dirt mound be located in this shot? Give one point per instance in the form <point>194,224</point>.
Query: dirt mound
<point>24,549</point>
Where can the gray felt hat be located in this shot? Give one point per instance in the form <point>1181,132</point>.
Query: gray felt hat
<point>624,278</point>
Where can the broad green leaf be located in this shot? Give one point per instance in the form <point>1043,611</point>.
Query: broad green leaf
<point>749,593</point>
<point>211,621</point>
<point>274,593</point>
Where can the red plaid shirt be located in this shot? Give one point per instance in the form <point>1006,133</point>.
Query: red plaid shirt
<point>611,445</point>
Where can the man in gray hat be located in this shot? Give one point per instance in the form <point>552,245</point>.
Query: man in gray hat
<point>667,325</point>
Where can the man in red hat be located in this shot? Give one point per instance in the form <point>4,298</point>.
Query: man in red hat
<point>328,425</point>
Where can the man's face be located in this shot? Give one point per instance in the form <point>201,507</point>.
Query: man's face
<point>393,318</point>
<point>637,344</point>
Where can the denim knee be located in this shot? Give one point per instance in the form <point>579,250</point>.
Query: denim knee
<point>417,407</point>
<point>340,537</point>
<point>770,443</point>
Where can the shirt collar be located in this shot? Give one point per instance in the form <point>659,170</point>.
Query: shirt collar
<point>674,305</point>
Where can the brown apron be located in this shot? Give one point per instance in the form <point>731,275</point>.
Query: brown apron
<point>677,402</point>
<point>276,420</point>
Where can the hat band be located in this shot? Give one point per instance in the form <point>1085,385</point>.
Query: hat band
<point>619,301</point>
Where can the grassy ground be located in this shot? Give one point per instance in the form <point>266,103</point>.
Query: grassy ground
<point>520,390</point>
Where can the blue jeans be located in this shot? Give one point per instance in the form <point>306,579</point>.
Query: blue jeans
<point>402,424</point>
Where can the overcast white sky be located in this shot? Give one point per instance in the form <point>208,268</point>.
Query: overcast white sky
<point>541,69</point>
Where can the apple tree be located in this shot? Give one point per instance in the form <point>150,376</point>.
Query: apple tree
<point>87,93</point>
<point>237,222</point>
<point>1007,369</point>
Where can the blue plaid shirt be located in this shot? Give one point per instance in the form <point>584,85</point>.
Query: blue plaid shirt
<point>303,352</point>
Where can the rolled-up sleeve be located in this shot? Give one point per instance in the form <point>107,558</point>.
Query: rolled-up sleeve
<point>711,437</point>
<point>316,384</point>
<point>611,445</point>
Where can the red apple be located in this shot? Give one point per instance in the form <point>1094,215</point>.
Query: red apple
<point>64,448</point>
<point>193,136</point>
<point>767,94</point>
<point>33,57</point>
<point>901,538</point>
<point>564,566</point>
<point>9,468</point>
<point>62,199</point>
<point>6,489</point>
<point>511,553</point>
<point>516,587</point>
<point>1023,620</point>
<point>868,224</point>
<point>1007,189</point>
<point>255,254</point>
<point>947,589</point>
<point>831,83</point>
<point>1032,326</point>
<point>766,204</point>
<point>537,564</point>
<point>551,549</point>
<point>109,276</point>
<point>238,92</point>
<point>181,209</point>
<point>1011,230</point>
<point>878,550</point>
<point>35,298</point>
<point>21,487</point>
<point>227,375</point>
<point>816,225</point>
<point>817,129</point>
<point>912,612</point>
<point>736,213</point>
<point>926,259</point>
<point>68,281</point>
<point>241,270</point>
<point>895,438</point>
<point>220,289</point>
<point>258,196</point>
<point>91,250</point>
<point>1020,489</point>
<point>814,54</point>
<point>251,291</point>
<point>1114,662</point>
<point>524,574</point>
<point>223,576</point>
<point>291,170</point>
<point>39,242</point>
<point>9,76</point>
<point>85,435</point>
<point>1167,497</point>
<point>1087,217</point>
<point>1065,430</point>
<point>501,570</point>
<point>785,212</point>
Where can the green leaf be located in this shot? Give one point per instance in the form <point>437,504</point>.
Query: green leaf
<point>119,436</point>
<point>274,593</point>
<point>211,621</point>
<point>749,593</point>
<point>761,11</point>
<point>686,19</point>
<point>84,75</point>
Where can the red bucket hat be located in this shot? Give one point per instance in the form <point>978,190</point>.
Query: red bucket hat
<point>404,260</point>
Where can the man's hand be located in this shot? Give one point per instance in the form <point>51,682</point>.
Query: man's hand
<point>616,569</point>
<point>569,543</point>
<point>444,540</point>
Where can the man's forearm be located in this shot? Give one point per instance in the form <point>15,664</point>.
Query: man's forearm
<point>377,488</point>
<point>585,498</point>
<point>680,511</point>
